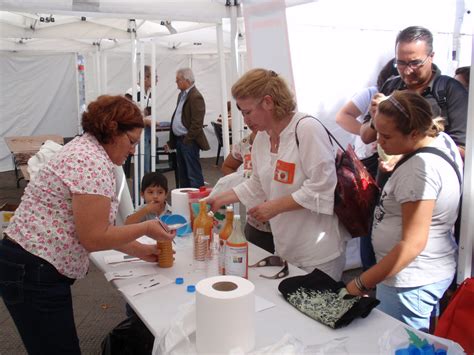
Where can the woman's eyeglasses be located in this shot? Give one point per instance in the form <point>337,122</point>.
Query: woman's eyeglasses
<point>132,143</point>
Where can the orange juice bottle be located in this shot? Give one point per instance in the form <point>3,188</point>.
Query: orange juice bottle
<point>237,252</point>
<point>224,235</point>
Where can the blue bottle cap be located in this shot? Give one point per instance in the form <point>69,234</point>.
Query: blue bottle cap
<point>179,280</point>
<point>191,288</point>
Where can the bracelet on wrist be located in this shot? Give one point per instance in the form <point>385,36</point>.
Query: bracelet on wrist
<point>360,286</point>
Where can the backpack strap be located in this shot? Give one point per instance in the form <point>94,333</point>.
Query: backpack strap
<point>434,151</point>
<point>439,92</point>
<point>331,137</point>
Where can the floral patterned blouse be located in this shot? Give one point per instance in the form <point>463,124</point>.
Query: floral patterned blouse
<point>242,151</point>
<point>43,224</point>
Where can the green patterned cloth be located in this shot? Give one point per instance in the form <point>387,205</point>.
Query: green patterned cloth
<point>326,306</point>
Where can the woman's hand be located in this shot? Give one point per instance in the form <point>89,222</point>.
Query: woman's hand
<point>147,252</point>
<point>353,290</point>
<point>388,166</point>
<point>155,230</point>
<point>374,103</point>
<point>264,211</point>
<point>222,199</point>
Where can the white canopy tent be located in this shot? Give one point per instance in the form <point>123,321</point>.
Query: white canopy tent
<point>337,47</point>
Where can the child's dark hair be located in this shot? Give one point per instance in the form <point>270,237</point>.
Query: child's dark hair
<point>154,179</point>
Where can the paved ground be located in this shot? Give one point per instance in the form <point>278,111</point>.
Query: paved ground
<point>98,307</point>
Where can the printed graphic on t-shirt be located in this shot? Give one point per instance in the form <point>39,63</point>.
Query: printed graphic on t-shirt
<point>379,212</point>
<point>284,172</point>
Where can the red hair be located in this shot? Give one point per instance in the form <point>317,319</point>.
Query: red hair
<point>110,116</point>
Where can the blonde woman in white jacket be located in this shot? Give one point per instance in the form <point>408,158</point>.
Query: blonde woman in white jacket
<point>296,181</point>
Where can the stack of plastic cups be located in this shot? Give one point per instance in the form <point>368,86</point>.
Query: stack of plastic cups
<point>165,257</point>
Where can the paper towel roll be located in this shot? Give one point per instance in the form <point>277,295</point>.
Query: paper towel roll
<point>179,201</point>
<point>225,314</point>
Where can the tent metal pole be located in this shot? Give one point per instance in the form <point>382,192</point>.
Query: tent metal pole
<point>97,68</point>
<point>136,177</point>
<point>224,114</point>
<point>103,66</point>
<point>153,106</point>
<point>237,126</point>
<point>466,239</point>
<point>141,48</point>
<point>78,99</point>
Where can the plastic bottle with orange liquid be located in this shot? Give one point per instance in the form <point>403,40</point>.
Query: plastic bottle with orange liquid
<point>223,236</point>
<point>237,252</point>
<point>202,232</point>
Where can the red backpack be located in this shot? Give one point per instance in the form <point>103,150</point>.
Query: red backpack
<point>356,192</point>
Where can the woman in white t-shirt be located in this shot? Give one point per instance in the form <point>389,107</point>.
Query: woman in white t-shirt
<point>413,223</point>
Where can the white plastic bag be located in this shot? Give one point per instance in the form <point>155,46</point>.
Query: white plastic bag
<point>37,161</point>
<point>398,338</point>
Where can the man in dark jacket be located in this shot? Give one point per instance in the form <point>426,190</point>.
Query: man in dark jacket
<point>187,134</point>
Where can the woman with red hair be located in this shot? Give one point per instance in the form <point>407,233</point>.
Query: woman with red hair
<point>67,212</point>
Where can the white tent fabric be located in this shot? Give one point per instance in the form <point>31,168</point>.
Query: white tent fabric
<point>337,47</point>
<point>45,105</point>
<point>205,68</point>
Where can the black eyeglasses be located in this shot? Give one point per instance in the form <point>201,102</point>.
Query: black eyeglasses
<point>414,64</point>
<point>273,260</point>
<point>132,143</point>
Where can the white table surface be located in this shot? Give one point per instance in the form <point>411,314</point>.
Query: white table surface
<point>158,307</point>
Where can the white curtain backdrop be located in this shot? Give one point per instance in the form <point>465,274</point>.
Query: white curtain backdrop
<point>38,95</point>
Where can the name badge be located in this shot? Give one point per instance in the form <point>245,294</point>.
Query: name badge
<point>248,162</point>
<point>284,172</point>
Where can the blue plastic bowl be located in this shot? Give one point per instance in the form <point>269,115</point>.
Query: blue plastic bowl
<point>177,218</point>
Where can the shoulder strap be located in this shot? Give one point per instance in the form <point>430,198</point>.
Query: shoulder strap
<point>331,137</point>
<point>439,92</point>
<point>390,85</point>
<point>431,150</point>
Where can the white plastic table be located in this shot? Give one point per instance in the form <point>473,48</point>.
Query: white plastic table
<point>158,307</point>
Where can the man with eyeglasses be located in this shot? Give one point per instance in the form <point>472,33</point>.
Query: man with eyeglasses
<point>414,62</point>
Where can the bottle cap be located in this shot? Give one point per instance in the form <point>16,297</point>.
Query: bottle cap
<point>179,280</point>
<point>191,288</point>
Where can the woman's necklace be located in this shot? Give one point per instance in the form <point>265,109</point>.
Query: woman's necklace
<point>274,144</point>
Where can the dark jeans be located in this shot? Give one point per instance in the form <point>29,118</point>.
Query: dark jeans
<point>261,239</point>
<point>38,299</point>
<point>189,166</point>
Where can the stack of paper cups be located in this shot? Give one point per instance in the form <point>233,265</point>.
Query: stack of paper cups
<point>225,314</point>
<point>179,201</point>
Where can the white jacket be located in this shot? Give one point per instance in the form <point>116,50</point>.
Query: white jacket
<point>309,236</point>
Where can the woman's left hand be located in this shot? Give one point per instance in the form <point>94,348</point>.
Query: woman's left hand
<point>353,290</point>
<point>147,252</point>
<point>264,211</point>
